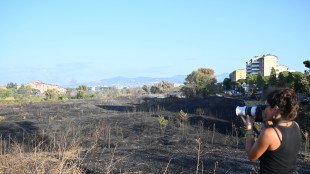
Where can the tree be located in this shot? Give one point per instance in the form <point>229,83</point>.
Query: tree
<point>2,93</point>
<point>227,83</point>
<point>273,77</point>
<point>164,86</point>
<point>10,92</point>
<point>81,91</point>
<point>290,80</point>
<point>260,82</point>
<point>252,81</point>
<point>145,88</point>
<point>235,85</point>
<point>206,71</point>
<point>283,79</point>
<point>155,90</point>
<point>11,85</point>
<point>51,93</point>
<point>307,63</point>
<point>200,83</point>
<point>24,91</point>
<point>242,81</point>
<point>189,90</point>
<point>128,91</point>
<point>298,86</point>
<point>305,81</point>
<point>68,93</point>
<point>220,87</point>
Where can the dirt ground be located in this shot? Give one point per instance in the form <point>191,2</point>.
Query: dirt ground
<point>123,135</point>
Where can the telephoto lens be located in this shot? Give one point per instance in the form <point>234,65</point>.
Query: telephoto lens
<point>255,111</point>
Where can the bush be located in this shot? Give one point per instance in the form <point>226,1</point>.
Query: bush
<point>200,83</point>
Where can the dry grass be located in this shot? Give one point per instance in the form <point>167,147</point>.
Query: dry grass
<point>19,161</point>
<point>59,157</point>
<point>60,153</point>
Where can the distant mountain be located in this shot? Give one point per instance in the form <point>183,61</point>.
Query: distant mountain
<point>134,82</point>
<point>139,81</point>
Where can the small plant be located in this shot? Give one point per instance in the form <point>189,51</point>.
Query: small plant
<point>2,118</point>
<point>183,118</point>
<point>162,121</point>
<point>162,124</point>
<point>183,115</point>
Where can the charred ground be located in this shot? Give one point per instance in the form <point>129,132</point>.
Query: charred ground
<point>123,135</point>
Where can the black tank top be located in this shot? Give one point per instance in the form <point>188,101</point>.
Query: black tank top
<point>283,159</point>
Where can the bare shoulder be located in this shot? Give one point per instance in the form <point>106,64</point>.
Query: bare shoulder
<point>268,133</point>
<point>271,138</point>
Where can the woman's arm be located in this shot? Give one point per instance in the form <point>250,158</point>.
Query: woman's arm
<point>255,149</point>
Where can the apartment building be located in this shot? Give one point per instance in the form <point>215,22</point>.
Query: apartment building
<point>237,74</point>
<point>42,87</point>
<point>264,64</point>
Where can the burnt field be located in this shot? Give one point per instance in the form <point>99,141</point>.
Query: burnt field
<point>123,135</point>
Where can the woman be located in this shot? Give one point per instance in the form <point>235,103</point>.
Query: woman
<point>277,146</point>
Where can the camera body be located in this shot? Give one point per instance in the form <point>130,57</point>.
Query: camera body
<point>256,111</point>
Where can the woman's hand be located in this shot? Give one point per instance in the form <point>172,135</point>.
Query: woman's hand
<point>248,122</point>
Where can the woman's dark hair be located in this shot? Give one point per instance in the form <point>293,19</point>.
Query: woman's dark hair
<point>286,100</point>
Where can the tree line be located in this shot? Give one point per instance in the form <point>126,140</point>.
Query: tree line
<point>202,83</point>
<point>296,80</point>
<point>12,92</point>
<point>199,83</point>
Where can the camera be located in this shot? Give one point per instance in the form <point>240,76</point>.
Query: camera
<point>256,111</point>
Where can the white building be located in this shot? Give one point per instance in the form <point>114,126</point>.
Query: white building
<point>42,87</point>
<point>264,64</point>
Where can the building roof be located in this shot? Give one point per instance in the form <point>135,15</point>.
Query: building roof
<point>261,56</point>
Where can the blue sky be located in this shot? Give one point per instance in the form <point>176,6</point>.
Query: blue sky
<point>62,41</point>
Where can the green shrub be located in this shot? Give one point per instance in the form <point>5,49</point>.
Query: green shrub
<point>183,115</point>
<point>162,121</point>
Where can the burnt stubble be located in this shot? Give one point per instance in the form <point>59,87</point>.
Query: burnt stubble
<point>123,135</point>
